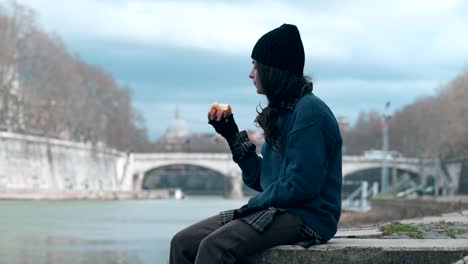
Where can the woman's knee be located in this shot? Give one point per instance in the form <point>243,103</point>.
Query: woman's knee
<point>216,248</point>
<point>209,243</point>
<point>189,238</point>
<point>209,249</point>
<point>181,240</point>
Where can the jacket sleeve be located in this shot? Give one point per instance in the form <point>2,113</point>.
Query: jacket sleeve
<point>304,172</point>
<point>243,153</point>
<point>251,169</point>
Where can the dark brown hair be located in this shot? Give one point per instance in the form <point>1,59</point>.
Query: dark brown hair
<point>283,89</point>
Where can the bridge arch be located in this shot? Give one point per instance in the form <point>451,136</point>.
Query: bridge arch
<point>178,163</point>
<point>399,179</point>
<point>220,163</point>
<point>192,179</point>
<point>350,171</point>
<point>402,173</point>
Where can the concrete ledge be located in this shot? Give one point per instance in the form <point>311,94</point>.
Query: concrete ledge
<point>343,250</point>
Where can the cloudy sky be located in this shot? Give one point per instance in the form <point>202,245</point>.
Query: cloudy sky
<point>360,53</point>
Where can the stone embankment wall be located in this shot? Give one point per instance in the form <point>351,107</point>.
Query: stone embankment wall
<point>36,163</point>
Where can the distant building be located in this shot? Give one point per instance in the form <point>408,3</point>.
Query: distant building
<point>175,136</point>
<point>178,128</point>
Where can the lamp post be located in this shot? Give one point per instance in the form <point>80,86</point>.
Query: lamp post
<point>384,179</point>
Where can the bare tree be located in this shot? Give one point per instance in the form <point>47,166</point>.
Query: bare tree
<point>365,134</point>
<point>16,23</point>
<point>435,126</point>
<point>430,127</point>
<point>46,91</point>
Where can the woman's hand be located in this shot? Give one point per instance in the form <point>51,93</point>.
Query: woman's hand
<point>225,126</point>
<point>221,110</point>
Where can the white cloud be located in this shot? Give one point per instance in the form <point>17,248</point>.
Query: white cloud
<point>380,29</point>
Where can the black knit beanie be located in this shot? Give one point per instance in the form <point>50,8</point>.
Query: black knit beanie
<point>281,48</point>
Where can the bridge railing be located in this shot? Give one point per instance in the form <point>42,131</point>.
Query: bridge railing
<point>358,200</point>
<point>364,158</point>
<point>182,155</point>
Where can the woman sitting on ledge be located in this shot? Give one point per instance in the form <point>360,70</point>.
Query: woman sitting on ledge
<point>299,177</point>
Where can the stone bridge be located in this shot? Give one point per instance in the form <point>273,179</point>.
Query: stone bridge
<point>44,164</point>
<point>352,164</point>
<point>139,164</point>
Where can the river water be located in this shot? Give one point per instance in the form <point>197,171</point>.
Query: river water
<point>76,232</point>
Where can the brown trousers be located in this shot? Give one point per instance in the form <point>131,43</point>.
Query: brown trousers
<point>209,241</point>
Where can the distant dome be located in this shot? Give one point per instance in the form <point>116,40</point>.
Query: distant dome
<point>177,127</point>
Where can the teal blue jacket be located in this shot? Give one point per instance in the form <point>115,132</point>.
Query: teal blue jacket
<point>307,178</point>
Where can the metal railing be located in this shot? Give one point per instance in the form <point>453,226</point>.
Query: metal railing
<point>358,200</point>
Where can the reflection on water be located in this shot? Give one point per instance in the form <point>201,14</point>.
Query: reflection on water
<point>98,231</point>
